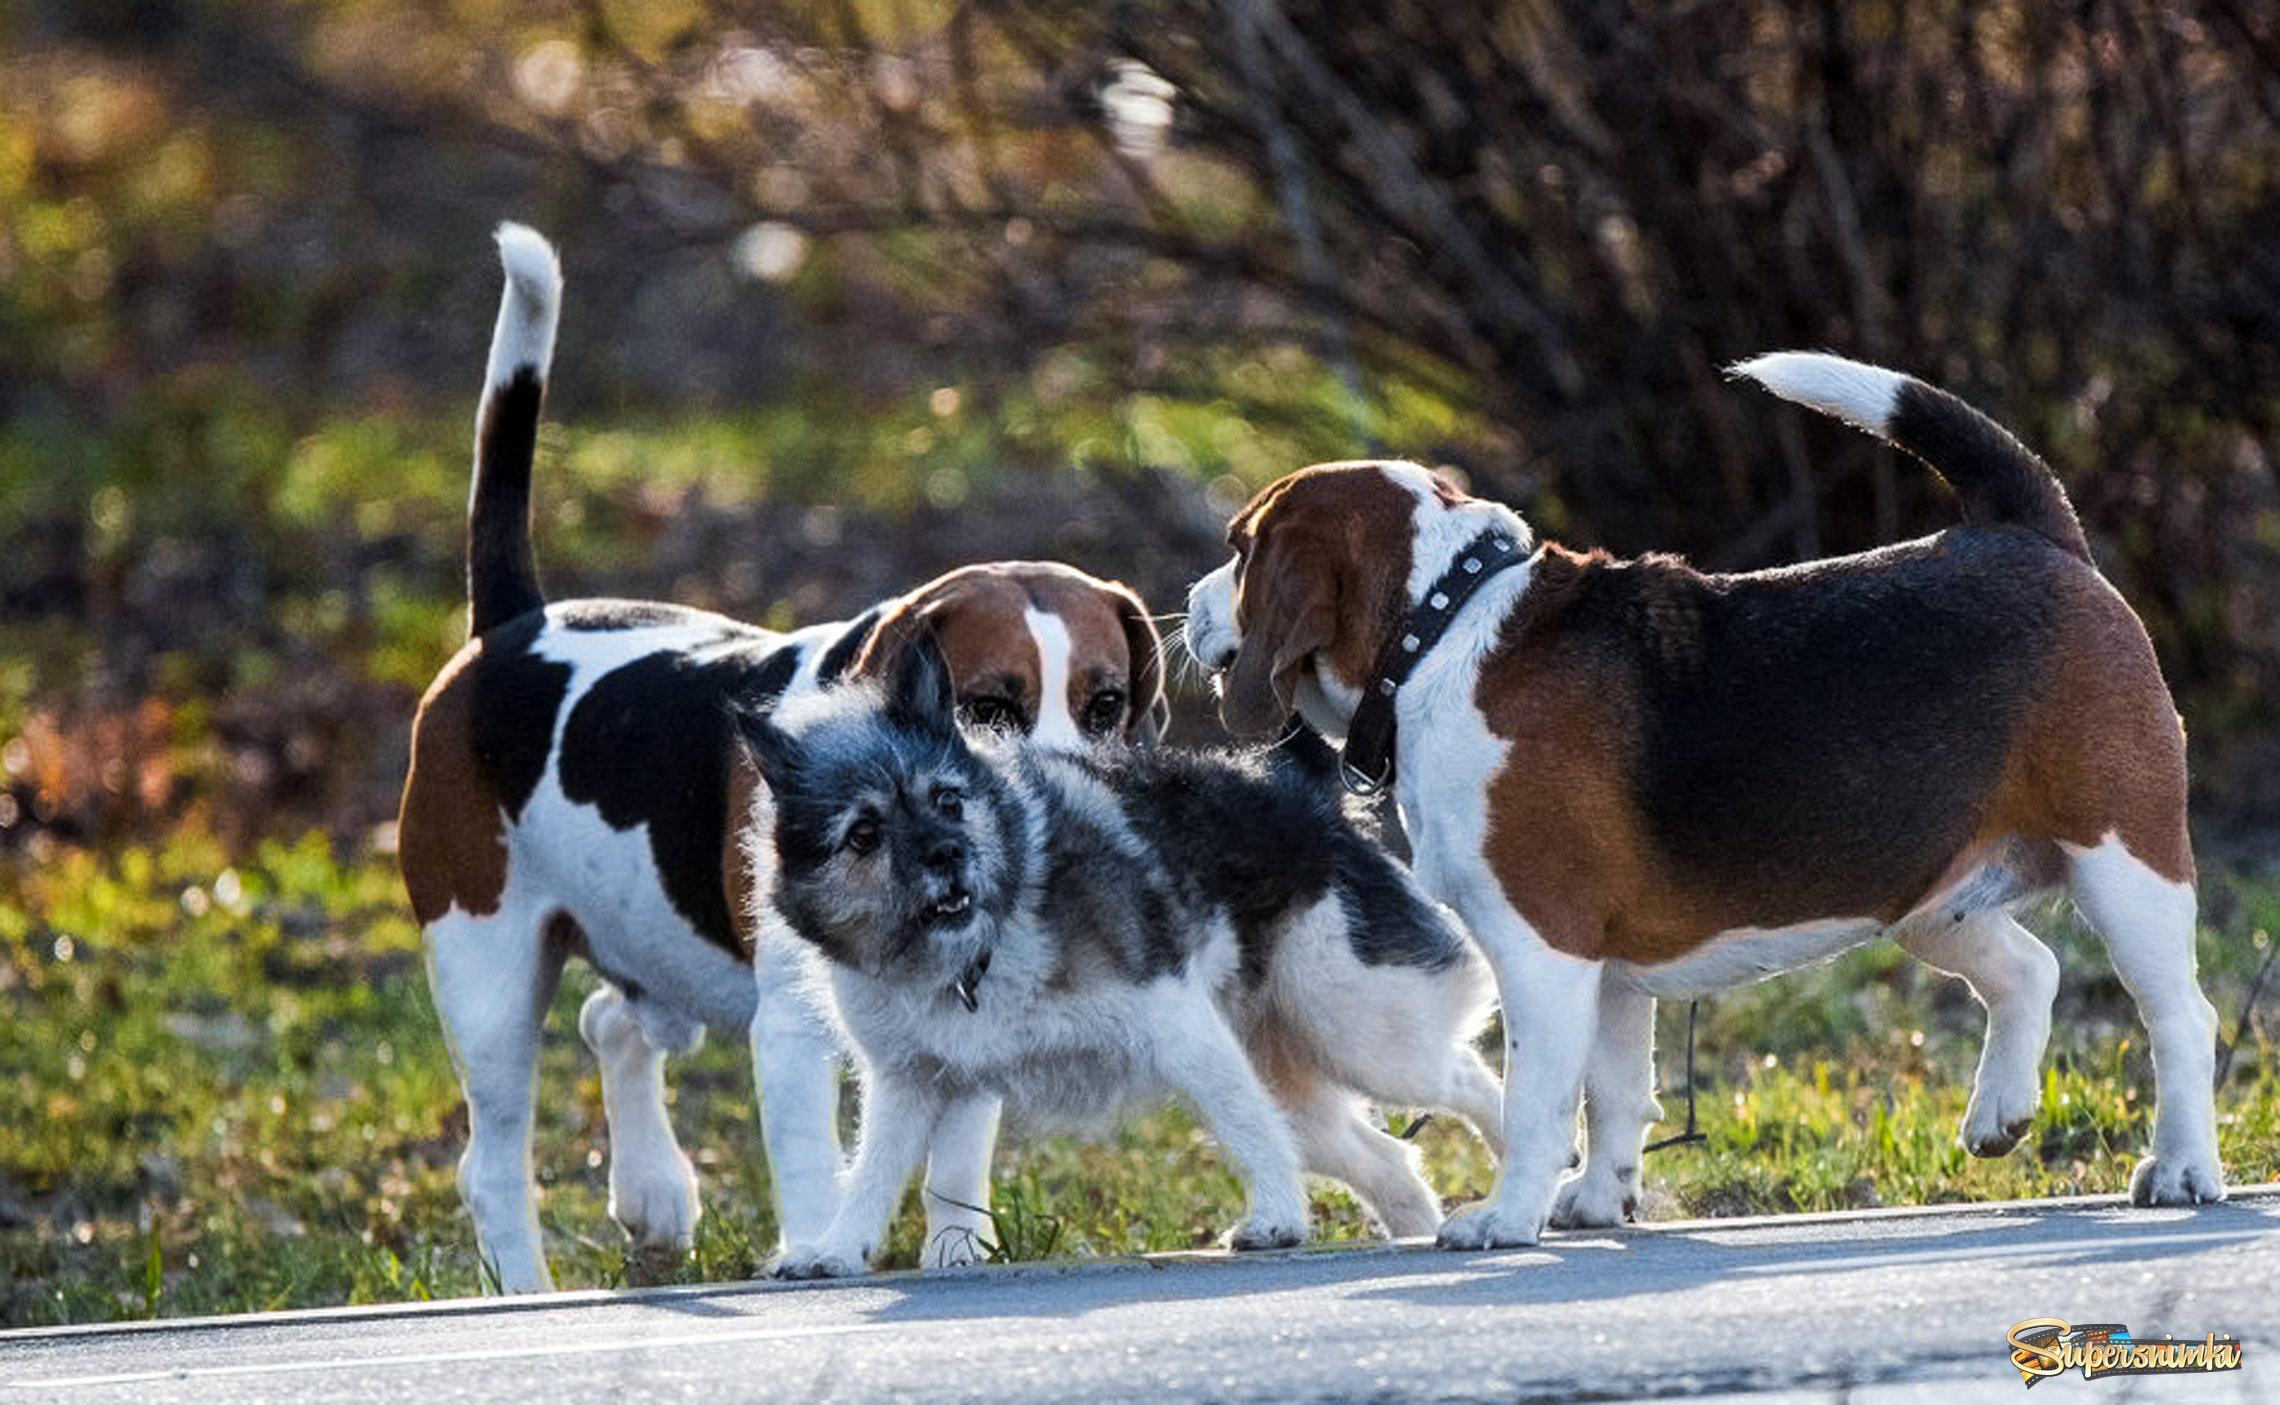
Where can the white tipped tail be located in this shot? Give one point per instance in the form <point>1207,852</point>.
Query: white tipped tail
<point>1861,395</point>
<point>1999,481</point>
<point>502,577</point>
<point>529,308</point>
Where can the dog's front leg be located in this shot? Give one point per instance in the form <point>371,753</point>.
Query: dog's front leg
<point>899,1117</point>
<point>1618,1107</point>
<point>958,1221</point>
<point>795,1067</point>
<point>1550,1019</point>
<point>1199,1055</point>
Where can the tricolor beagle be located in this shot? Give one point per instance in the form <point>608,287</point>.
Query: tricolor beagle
<point>576,786</point>
<point>1632,779</point>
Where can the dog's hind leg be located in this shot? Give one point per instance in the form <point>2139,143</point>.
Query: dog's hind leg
<point>1618,1107</point>
<point>492,978</point>
<point>2015,977</point>
<point>958,1219</point>
<point>653,1187</point>
<point>1198,1054</point>
<point>2147,923</point>
<point>1336,1139</point>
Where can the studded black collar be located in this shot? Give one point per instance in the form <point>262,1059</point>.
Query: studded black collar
<point>1366,767</point>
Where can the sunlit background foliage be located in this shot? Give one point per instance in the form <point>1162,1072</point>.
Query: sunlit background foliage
<point>863,289</point>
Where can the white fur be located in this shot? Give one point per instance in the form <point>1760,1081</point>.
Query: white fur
<point>2147,924</point>
<point>1212,635</point>
<point>1748,954</point>
<point>1859,394</point>
<point>531,308</point>
<point>2015,978</point>
<point>1055,727</point>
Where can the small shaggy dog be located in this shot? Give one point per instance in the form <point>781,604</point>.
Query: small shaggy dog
<point>1074,932</point>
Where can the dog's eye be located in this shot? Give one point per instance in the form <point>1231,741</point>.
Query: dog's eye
<point>999,714</point>
<point>1104,714</point>
<point>864,835</point>
<point>949,802</point>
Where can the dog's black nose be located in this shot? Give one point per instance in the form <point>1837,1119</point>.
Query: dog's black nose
<point>946,853</point>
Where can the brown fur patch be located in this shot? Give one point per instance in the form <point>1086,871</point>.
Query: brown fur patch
<point>736,876</point>
<point>2103,749</point>
<point>451,844</point>
<point>1323,568</point>
<point>978,615</point>
<point>1284,1061</point>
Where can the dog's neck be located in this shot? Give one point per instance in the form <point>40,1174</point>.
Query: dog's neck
<point>1366,765</point>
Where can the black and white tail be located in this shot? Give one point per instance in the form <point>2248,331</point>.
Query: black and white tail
<point>502,576</point>
<point>2000,481</point>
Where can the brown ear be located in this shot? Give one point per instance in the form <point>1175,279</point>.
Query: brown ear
<point>1286,613</point>
<point>895,628</point>
<point>1146,710</point>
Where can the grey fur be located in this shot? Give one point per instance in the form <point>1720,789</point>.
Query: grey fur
<point>1049,933</point>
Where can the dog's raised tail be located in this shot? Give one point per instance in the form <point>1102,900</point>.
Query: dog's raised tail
<point>1999,480</point>
<point>502,575</point>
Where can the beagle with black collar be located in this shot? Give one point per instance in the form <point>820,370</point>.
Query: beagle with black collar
<point>576,786</point>
<point>1632,779</point>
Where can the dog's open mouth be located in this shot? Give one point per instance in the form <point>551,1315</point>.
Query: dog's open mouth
<point>951,908</point>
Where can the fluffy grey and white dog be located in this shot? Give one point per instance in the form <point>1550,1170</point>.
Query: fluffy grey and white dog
<point>1075,933</point>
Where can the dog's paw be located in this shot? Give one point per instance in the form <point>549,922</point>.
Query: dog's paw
<point>2176,1181</point>
<point>1596,1199</point>
<point>955,1247</point>
<point>1489,1226</point>
<point>1986,1133</point>
<point>801,1263</point>
<point>1996,1118</point>
<point>1258,1233</point>
<point>655,1201</point>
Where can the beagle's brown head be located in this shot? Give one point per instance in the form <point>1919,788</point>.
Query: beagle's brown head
<point>1320,576</point>
<point>1037,647</point>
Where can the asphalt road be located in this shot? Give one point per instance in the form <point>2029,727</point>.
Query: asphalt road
<point>1895,1305</point>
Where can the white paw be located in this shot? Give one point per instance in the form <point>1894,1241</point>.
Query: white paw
<point>820,1261</point>
<point>656,1204</point>
<point>1596,1199</point>
<point>1994,1121</point>
<point>2176,1181</point>
<point>1267,1232</point>
<point>1489,1225</point>
<point>956,1246</point>
<point>1407,1216</point>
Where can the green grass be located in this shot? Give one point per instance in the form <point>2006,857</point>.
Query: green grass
<point>226,1091</point>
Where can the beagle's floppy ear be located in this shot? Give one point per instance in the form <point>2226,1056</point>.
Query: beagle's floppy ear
<point>890,634</point>
<point>1286,609</point>
<point>1147,712</point>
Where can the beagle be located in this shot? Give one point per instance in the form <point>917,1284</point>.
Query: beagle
<point>576,782</point>
<point>1632,779</point>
